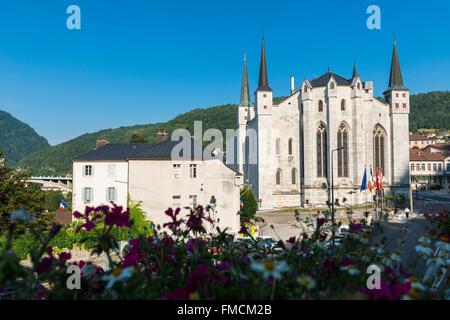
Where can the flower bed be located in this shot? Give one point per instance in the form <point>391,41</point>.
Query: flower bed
<point>181,260</point>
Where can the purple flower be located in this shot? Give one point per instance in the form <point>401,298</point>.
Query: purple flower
<point>356,227</point>
<point>175,223</point>
<point>45,265</point>
<point>117,217</point>
<point>225,265</point>
<point>64,256</point>
<point>291,240</point>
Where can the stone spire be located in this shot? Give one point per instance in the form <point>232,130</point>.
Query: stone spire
<point>355,73</point>
<point>263,83</point>
<point>396,79</point>
<point>245,90</point>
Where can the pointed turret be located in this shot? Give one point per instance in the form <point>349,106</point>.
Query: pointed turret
<point>396,79</point>
<point>355,73</point>
<point>263,83</point>
<point>245,90</point>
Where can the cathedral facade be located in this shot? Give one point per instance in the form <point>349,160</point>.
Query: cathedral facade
<point>327,132</point>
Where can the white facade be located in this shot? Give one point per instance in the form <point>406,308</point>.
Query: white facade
<point>162,184</point>
<point>107,182</point>
<point>295,139</point>
<point>159,183</point>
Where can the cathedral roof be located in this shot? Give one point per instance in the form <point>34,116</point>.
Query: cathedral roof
<point>263,82</point>
<point>395,79</point>
<point>245,90</point>
<point>323,80</point>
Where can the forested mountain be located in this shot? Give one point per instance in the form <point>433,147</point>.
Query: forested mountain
<point>57,160</point>
<point>17,139</point>
<point>430,110</point>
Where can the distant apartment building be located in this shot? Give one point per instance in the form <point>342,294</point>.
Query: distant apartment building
<point>427,168</point>
<point>421,141</point>
<point>148,173</point>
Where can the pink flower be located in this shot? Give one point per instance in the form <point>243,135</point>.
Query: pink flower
<point>393,291</point>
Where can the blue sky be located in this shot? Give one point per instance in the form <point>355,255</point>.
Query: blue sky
<point>140,61</point>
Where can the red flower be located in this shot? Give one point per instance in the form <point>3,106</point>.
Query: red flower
<point>291,240</point>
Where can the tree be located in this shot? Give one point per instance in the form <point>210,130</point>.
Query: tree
<point>397,199</point>
<point>53,199</point>
<point>249,205</point>
<point>138,137</point>
<point>16,193</point>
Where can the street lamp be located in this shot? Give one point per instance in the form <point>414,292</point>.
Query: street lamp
<point>333,221</point>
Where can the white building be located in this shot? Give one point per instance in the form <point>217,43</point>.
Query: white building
<point>148,173</point>
<point>284,149</point>
<point>429,168</point>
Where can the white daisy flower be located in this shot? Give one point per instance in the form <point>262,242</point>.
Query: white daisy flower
<point>270,268</point>
<point>117,275</point>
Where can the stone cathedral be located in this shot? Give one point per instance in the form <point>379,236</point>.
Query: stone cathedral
<point>286,149</point>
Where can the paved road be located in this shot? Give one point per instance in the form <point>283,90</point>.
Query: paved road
<point>398,231</point>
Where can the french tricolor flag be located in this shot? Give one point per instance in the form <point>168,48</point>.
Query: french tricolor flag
<point>62,205</point>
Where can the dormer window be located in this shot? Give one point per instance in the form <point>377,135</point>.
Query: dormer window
<point>305,89</point>
<point>358,86</point>
<point>332,85</point>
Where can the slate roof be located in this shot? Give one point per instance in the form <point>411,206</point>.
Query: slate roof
<point>124,151</point>
<point>112,151</point>
<point>323,80</point>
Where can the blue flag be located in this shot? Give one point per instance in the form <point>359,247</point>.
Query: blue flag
<point>364,181</point>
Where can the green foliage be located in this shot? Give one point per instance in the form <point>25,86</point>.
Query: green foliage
<point>68,238</point>
<point>430,110</point>
<point>53,199</point>
<point>57,160</point>
<point>249,205</point>
<point>398,200</point>
<point>18,139</point>
<point>138,137</point>
<point>15,194</point>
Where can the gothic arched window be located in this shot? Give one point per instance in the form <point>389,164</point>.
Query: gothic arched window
<point>358,86</point>
<point>305,89</point>
<point>290,147</point>
<point>342,141</point>
<point>332,85</point>
<point>343,105</point>
<point>294,176</point>
<point>379,139</point>
<point>320,106</point>
<point>277,146</point>
<point>322,151</point>
<point>278,177</point>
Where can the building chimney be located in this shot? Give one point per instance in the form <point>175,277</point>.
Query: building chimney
<point>292,85</point>
<point>101,142</point>
<point>161,135</point>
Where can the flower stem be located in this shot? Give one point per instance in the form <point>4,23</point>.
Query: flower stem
<point>274,284</point>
